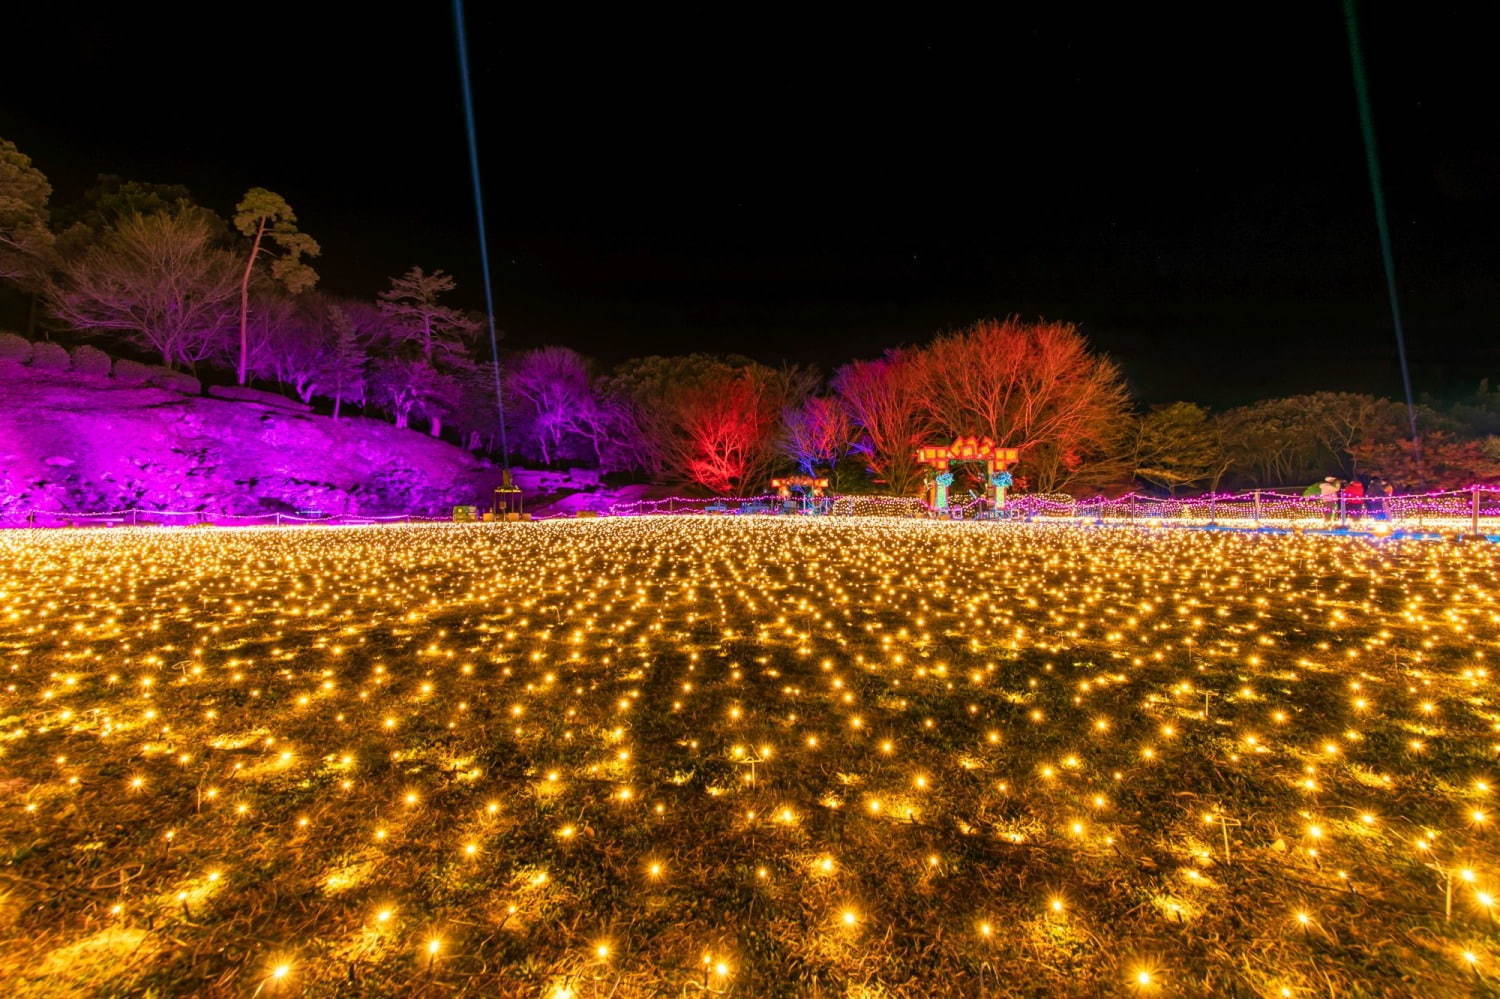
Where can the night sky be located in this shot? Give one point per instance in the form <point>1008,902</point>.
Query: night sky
<point>1187,185</point>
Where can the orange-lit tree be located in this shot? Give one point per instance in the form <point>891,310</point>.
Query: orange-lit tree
<point>1035,387</point>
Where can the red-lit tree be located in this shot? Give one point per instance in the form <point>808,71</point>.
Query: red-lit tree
<point>705,420</point>
<point>1445,462</point>
<point>884,401</point>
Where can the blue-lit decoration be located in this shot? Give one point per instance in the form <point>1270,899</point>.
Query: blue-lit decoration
<point>1001,479</point>
<point>944,479</point>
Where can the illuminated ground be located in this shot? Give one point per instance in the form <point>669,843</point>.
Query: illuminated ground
<point>668,757</point>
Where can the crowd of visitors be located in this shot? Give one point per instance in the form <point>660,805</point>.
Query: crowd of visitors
<point>1354,498</point>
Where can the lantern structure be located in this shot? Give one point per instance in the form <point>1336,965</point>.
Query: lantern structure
<point>997,462</point>
<point>814,485</point>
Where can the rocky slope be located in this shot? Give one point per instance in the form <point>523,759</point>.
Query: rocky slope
<point>76,438</point>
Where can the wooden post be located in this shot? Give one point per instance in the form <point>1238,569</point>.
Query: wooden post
<point>1474,515</point>
<point>1257,508</point>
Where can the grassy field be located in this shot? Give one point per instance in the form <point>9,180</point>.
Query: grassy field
<point>746,757</point>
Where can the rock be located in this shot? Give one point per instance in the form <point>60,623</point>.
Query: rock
<point>14,348</point>
<point>151,449</point>
<point>240,393</point>
<point>173,381</point>
<point>92,361</point>
<point>130,372</point>
<point>50,357</point>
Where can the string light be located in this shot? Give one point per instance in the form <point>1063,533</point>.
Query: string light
<point>803,721</point>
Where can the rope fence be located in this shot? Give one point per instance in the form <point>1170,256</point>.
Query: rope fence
<point>144,517</point>
<point>1475,510</point>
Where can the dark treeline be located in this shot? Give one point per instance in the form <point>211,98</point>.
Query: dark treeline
<point>145,269</point>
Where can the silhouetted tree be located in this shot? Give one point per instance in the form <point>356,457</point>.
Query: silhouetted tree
<point>27,247</point>
<point>1176,446</point>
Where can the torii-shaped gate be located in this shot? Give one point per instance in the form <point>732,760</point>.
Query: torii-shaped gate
<point>997,462</point>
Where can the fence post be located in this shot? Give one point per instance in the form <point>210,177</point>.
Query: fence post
<point>1257,508</point>
<point>1474,515</point>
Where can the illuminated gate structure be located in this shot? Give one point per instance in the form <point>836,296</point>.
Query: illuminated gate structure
<point>814,485</point>
<point>997,461</point>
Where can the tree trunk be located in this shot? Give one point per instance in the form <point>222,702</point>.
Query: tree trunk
<point>337,400</point>
<point>435,427</point>
<point>260,231</point>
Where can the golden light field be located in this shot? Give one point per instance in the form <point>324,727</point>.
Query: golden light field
<point>746,757</point>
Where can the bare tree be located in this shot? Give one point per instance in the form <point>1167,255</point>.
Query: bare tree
<point>884,399</point>
<point>555,388</point>
<point>159,281</point>
<point>817,434</point>
<point>1032,386</point>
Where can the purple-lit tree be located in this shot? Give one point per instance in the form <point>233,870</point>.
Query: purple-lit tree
<point>351,328</point>
<point>407,386</point>
<point>817,434</point>
<point>157,280</point>
<point>426,348</point>
<point>554,390</point>
<point>439,333</point>
<point>311,345</point>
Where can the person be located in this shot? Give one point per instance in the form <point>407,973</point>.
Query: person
<point>1328,492</point>
<point>1354,499</point>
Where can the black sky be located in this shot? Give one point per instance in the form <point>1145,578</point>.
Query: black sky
<point>1188,184</point>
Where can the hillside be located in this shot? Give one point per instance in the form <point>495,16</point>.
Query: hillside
<point>76,438</point>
